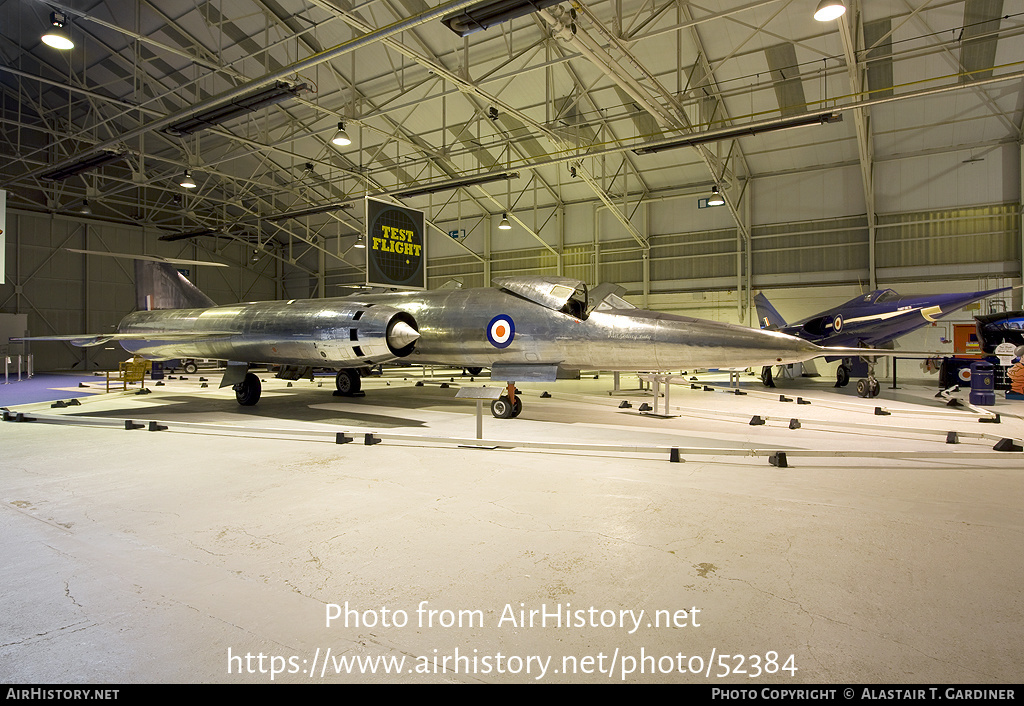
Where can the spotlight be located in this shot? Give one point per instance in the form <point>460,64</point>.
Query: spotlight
<point>341,138</point>
<point>716,198</point>
<point>187,182</point>
<point>504,225</point>
<point>58,37</point>
<point>360,242</point>
<point>829,10</point>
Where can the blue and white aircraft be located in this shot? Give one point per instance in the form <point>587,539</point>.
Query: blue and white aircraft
<point>871,320</point>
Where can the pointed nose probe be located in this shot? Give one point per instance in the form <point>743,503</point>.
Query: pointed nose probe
<point>401,335</point>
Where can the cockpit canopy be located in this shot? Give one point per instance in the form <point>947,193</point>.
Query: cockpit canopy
<point>880,296</point>
<point>559,293</point>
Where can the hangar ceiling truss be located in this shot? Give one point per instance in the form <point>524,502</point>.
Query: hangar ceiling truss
<point>563,96</point>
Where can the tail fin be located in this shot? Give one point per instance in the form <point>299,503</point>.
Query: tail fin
<point>766,314</point>
<point>158,285</point>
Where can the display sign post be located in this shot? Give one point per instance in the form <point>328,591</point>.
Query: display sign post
<point>3,234</point>
<point>395,246</point>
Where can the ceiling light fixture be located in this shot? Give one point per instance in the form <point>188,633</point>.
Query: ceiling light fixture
<point>85,164</point>
<point>279,91</point>
<point>57,37</point>
<point>191,234</point>
<point>187,182</point>
<point>504,225</point>
<point>751,129</point>
<point>311,211</point>
<point>84,209</point>
<point>716,198</point>
<point>829,10</point>
<point>360,242</point>
<point>341,138</point>
<point>491,12</point>
<point>453,184</point>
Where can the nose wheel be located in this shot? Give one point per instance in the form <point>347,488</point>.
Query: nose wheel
<point>509,405</point>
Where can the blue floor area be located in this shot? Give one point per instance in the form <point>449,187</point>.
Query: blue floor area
<point>43,387</point>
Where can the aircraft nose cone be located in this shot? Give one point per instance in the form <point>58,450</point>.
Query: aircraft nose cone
<point>401,335</point>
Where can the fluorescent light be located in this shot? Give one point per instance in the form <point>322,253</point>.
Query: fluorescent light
<point>453,184</point>
<point>829,10</point>
<point>84,164</point>
<point>58,37</point>
<point>341,138</point>
<point>491,12</point>
<point>312,210</point>
<point>751,129</point>
<point>231,109</point>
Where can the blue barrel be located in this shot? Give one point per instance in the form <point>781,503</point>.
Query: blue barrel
<point>983,383</point>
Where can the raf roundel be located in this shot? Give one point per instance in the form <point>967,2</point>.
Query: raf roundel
<point>837,323</point>
<point>501,331</point>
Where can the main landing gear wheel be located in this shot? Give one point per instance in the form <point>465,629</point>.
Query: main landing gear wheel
<point>474,371</point>
<point>348,382</point>
<point>868,387</point>
<point>843,376</point>
<point>247,392</point>
<point>766,376</point>
<point>191,368</point>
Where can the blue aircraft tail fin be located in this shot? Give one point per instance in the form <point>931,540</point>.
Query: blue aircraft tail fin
<point>767,317</point>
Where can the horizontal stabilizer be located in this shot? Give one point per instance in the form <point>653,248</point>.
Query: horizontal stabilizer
<point>149,258</point>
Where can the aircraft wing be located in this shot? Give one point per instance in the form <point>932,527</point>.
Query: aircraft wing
<point>849,352</point>
<point>87,340</point>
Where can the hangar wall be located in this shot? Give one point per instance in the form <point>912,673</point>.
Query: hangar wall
<point>64,292</point>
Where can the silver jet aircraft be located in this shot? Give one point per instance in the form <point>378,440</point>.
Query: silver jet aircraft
<point>524,329</point>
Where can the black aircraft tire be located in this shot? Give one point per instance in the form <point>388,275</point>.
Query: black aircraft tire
<point>247,392</point>
<point>501,409</point>
<point>517,408</point>
<point>873,388</point>
<point>842,376</point>
<point>863,388</point>
<point>474,371</point>
<point>348,382</point>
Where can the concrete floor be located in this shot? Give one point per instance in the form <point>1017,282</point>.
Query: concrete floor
<point>183,555</point>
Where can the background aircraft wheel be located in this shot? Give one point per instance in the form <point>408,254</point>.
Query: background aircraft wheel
<point>474,371</point>
<point>247,392</point>
<point>863,388</point>
<point>766,376</point>
<point>517,407</point>
<point>348,381</point>
<point>502,409</point>
<point>191,368</point>
<point>843,376</point>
